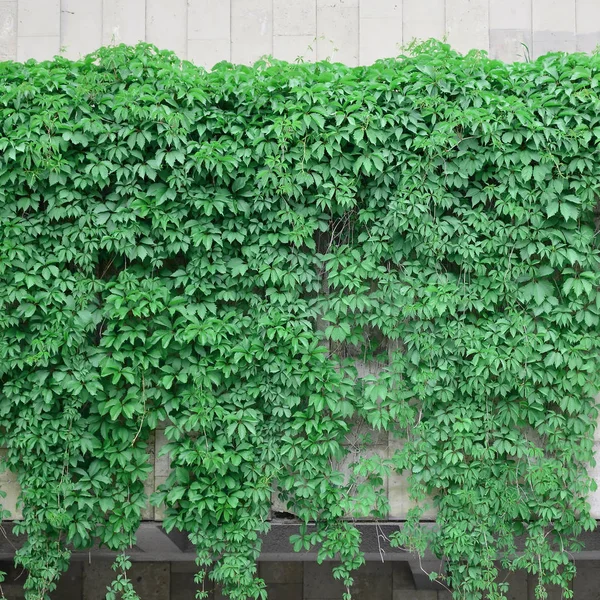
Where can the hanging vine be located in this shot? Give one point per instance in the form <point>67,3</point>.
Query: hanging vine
<point>224,252</point>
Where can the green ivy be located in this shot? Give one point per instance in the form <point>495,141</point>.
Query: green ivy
<point>226,253</point>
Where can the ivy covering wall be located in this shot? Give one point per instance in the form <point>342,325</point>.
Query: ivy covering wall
<point>217,251</point>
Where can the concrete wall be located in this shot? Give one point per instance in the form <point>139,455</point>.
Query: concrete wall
<point>350,31</point>
<point>285,581</point>
<point>396,485</point>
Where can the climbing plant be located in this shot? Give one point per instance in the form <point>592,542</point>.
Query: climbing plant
<point>274,261</point>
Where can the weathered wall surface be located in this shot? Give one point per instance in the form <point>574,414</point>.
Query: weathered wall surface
<point>350,31</point>
<point>285,581</point>
<point>396,486</point>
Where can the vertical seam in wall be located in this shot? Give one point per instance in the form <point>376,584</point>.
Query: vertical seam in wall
<point>17,31</point>
<point>575,27</point>
<point>272,27</point>
<point>358,53</point>
<point>489,28</point>
<point>445,35</point>
<point>186,25</point>
<point>316,39</point>
<point>531,50</point>
<point>60,32</point>
<point>145,20</point>
<point>230,29</point>
<point>101,23</point>
<point>402,28</point>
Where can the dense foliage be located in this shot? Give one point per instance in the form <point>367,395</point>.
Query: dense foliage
<point>222,251</point>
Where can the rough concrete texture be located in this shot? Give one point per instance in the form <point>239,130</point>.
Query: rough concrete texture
<point>150,484</point>
<point>166,25</point>
<point>350,31</point>
<point>80,27</point>
<point>298,18</point>
<point>338,33</point>
<point>251,30</point>
<point>517,584</point>
<point>372,581</point>
<point>381,29</point>
<point>379,36</point>
<point>510,45</point>
<point>207,53</point>
<point>285,581</point>
<point>594,497</point>
<point>8,30</point>
<point>39,18</point>
<point>467,24</point>
<point>510,29</point>
<point>423,19</point>
<point>123,21</point>
<point>208,20</point>
<point>554,26</point>
<point>294,47</point>
<point>150,580</point>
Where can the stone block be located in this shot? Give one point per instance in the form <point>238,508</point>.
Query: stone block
<point>166,25</point>
<point>80,27</point>
<point>553,26</point>
<point>123,21</point>
<point>70,584</point>
<point>8,30</point>
<point>373,580</point>
<point>510,14</point>
<point>380,37</point>
<point>510,45</point>
<point>588,37</point>
<point>207,53</point>
<point>467,24</point>
<point>149,484</point>
<point>415,595</point>
<point>517,584</point>
<point>284,591</point>
<point>183,586</point>
<point>587,17</point>
<point>587,580</point>
<point>597,430</point>
<point>295,18</point>
<point>379,9</point>
<point>14,591</point>
<point>339,3</point>
<point>337,34</point>
<point>554,592</point>
<point>587,42</point>
<point>251,30</point>
<point>150,580</point>
<point>353,457</point>
<point>319,582</point>
<point>402,578</point>
<point>12,586</point>
<point>294,47</point>
<point>37,47</point>
<point>159,511</point>
<point>10,486</point>
<point>208,20</point>
<point>39,18</point>
<point>398,496</point>
<point>553,15</point>
<point>162,462</point>
<point>423,19</point>
<point>281,572</point>
<point>552,41</point>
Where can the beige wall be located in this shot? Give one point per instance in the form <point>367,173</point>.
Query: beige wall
<point>351,31</point>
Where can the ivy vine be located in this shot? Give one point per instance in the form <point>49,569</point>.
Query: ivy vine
<point>223,252</point>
